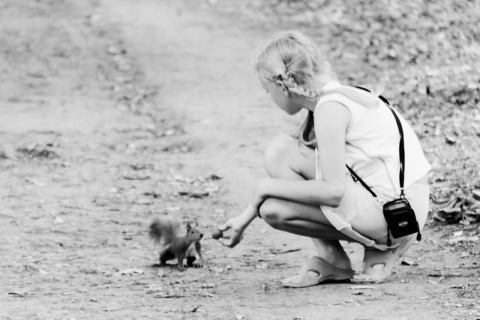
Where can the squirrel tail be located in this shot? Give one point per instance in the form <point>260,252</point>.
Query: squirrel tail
<point>164,229</point>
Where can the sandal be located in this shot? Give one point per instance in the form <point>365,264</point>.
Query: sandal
<point>317,271</point>
<point>373,258</point>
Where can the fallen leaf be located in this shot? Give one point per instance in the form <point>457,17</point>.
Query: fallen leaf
<point>154,290</point>
<point>463,239</point>
<point>136,177</point>
<point>213,177</point>
<point>207,294</point>
<point>36,150</point>
<point>141,166</point>
<point>168,132</point>
<point>450,215</point>
<point>128,272</point>
<point>198,195</point>
<point>456,287</point>
<point>473,239</point>
<point>262,265</point>
<point>169,295</point>
<point>280,251</point>
<point>195,309</point>
<point>361,287</point>
<point>476,194</point>
<point>7,152</point>
<point>143,201</point>
<point>217,269</point>
<point>153,194</point>
<point>265,287</point>
<point>19,293</point>
<point>406,262</point>
<point>457,233</point>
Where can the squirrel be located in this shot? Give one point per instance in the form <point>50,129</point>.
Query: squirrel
<point>166,231</point>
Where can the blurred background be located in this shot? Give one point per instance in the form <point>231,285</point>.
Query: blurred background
<point>113,111</point>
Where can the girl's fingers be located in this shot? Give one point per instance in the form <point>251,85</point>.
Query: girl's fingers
<point>224,227</point>
<point>226,243</point>
<point>232,242</point>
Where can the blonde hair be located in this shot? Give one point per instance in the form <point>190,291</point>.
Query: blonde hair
<point>292,60</point>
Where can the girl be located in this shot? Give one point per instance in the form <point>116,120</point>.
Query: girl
<point>310,192</point>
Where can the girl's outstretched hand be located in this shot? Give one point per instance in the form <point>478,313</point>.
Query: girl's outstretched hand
<point>237,226</point>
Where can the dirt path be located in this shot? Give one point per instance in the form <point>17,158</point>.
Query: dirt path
<point>74,226</point>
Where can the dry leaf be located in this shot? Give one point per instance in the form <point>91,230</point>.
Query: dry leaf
<point>19,293</point>
<point>128,272</point>
<point>361,287</point>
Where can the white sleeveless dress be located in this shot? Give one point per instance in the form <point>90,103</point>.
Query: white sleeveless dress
<point>372,141</point>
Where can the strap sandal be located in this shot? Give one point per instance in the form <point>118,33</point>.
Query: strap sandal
<point>372,258</point>
<point>317,271</point>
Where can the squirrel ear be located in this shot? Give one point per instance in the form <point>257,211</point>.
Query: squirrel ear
<point>188,227</point>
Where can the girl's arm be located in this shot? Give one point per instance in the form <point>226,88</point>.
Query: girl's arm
<point>331,122</point>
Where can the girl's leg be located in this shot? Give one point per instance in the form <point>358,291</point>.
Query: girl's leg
<point>286,159</point>
<point>305,220</point>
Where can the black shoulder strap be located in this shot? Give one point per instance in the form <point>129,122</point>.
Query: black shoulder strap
<point>357,178</point>
<point>401,151</point>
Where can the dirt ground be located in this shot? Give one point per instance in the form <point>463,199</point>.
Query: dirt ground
<point>115,111</point>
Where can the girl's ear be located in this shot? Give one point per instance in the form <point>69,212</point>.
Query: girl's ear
<point>279,82</point>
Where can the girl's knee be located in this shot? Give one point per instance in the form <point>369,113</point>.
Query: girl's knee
<point>277,153</point>
<point>271,212</point>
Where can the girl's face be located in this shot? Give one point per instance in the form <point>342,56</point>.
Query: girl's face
<point>284,101</point>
